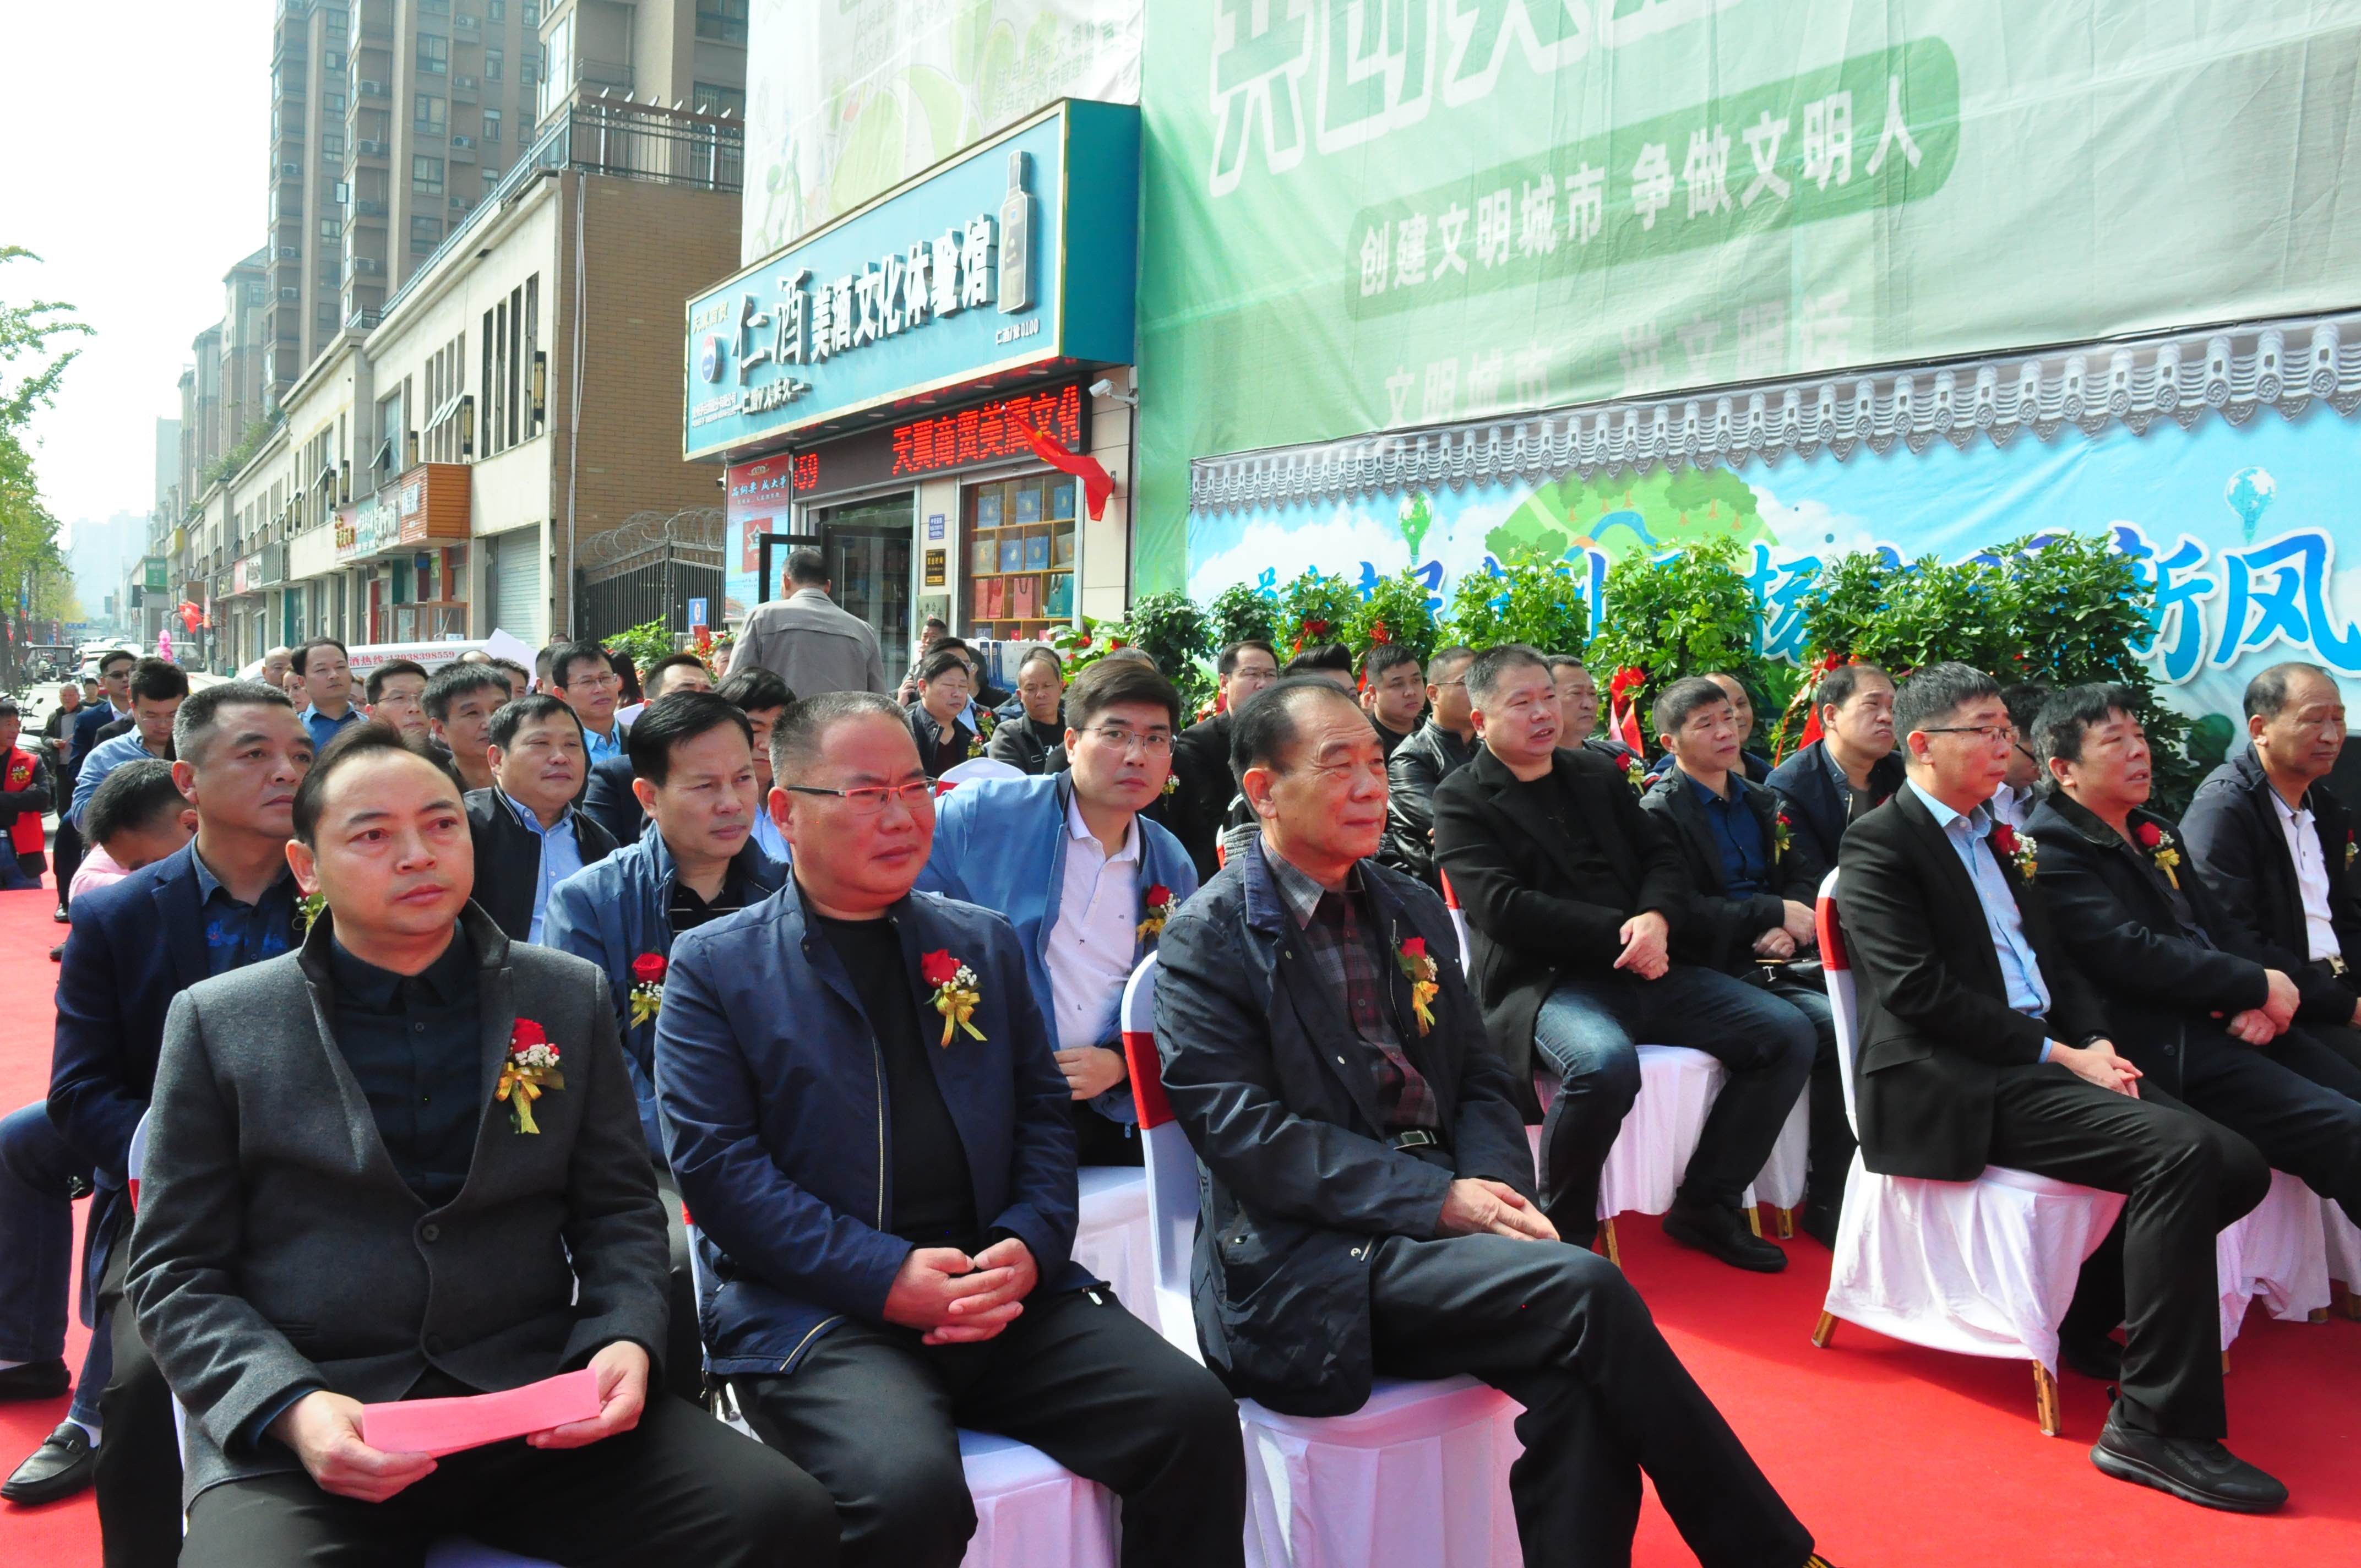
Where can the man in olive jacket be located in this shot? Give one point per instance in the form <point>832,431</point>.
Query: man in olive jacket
<point>1368,1195</point>
<point>406,1162</point>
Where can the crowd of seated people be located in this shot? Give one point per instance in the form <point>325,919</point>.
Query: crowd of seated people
<point>470,1028</point>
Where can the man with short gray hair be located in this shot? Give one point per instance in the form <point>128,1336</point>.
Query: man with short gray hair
<point>1573,898</point>
<point>806,639</point>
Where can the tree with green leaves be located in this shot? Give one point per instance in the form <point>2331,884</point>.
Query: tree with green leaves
<point>1241,613</point>
<point>1316,608</point>
<point>1397,611</point>
<point>1689,613</point>
<point>1533,600</point>
<point>33,360</point>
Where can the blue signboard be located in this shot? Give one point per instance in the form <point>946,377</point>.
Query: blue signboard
<point>1020,251</point>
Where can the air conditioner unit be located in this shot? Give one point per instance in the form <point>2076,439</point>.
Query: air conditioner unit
<point>465,83</point>
<point>291,253</point>
<point>289,296</point>
<point>291,171</point>
<point>369,89</point>
<point>463,142</point>
<point>370,148</point>
<point>464,24</point>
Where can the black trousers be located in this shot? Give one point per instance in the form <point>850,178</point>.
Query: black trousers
<point>2328,1054</point>
<point>1831,1141</point>
<point>679,1489</point>
<point>872,1413</point>
<point>1098,1140</point>
<point>65,858</point>
<point>1562,1332</point>
<point>683,1370</point>
<point>2265,1096</point>
<point>2183,1178</point>
<point>138,1475</point>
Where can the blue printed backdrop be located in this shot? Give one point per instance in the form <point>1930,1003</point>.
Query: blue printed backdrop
<point>2239,525</point>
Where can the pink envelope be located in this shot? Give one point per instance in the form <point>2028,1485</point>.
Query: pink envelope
<point>446,1426</point>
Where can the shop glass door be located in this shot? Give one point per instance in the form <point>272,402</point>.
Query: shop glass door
<point>868,549</point>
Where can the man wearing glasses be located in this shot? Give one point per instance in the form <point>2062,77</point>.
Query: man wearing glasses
<point>1085,878</point>
<point>1201,757</point>
<point>583,678</point>
<point>866,1120</point>
<point>1981,1045</point>
<point>2014,800</point>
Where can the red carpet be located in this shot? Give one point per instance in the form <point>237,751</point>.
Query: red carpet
<point>1897,1457</point>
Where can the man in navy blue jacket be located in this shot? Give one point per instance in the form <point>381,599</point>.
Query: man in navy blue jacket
<point>1853,767</point>
<point>226,901</point>
<point>868,1124</point>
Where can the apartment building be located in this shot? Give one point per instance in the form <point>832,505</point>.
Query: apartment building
<point>684,54</point>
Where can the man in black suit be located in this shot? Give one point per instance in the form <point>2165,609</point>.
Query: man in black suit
<point>1368,1199</point>
<point>1981,1044</point>
<point>2276,849</point>
<point>1200,754</point>
<point>1849,771</point>
<point>1437,749</point>
<point>405,1163</point>
<point>527,836</point>
<point>1574,895</point>
<point>1750,907</point>
<point>2205,1020</point>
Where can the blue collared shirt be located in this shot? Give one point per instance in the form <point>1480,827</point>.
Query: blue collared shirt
<point>561,856</point>
<point>1745,859</point>
<point>239,934</point>
<point>2020,968</point>
<point>611,744</point>
<point>104,759</point>
<point>324,728</point>
<point>767,835</point>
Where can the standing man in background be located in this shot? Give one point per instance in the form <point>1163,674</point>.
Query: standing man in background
<point>326,672</point>
<point>25,794</point>
<point>808,641</point>
<point>157,689</point>
<point>1393,693</point>
<point>65,851</point>
<point>582,676</point>
<point>460,702</point>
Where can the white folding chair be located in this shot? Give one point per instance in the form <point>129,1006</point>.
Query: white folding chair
<point>976,768</point>
<point>2343,1248</point>
<point>2279,1251</point>
<point>1981,1267</point>
<point>1416,1477</point>
<point>1112,1238</point>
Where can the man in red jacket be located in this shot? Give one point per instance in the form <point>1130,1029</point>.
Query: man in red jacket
<point>25,797</point>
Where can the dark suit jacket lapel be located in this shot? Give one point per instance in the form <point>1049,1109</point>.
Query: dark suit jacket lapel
<point>1698,833</point>
<point>179,913</point>
<point>1518,805</point>
<point>1957,890</point>
<point>1396,926</point>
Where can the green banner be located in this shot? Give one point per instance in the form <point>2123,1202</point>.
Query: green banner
<point>1372,215</point>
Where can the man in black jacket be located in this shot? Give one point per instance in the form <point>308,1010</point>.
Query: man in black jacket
<point>2276,849</point>
<point>1369,1202</point>
<point>1981,1044</point>
<point>1851,770</point>
<point>2208,1022</point>
<point>527,836</point>
<point>1200,754</point>
<point>1573,896</point>
<point>1749,906</point>
<point>1393,693</point>
<point>1435,749</point>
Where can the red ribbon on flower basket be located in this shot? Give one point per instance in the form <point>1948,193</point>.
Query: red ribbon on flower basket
<point>1623,706</point>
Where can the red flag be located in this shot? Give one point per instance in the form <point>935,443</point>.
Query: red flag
<point>1097,483</point>
<point>1623,708</point>
<point>191,616</point>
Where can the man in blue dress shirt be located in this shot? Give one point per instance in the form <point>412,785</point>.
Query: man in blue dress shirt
<point>583,677</point>
<point>326,671</point>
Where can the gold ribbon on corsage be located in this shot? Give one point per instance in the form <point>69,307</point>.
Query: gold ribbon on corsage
<point>647,988</point>
<point>2160,849</point>
<point>530,1071</point>
<point>1418,970</point>
<point>1157,905</point>
<point>955,997</point>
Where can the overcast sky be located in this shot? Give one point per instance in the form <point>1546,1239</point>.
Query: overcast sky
<point>138,137</point>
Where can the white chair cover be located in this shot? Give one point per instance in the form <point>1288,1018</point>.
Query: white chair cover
<point>979,768</point>
<point>1981,1267</point>
<point>1112,1241</point>
<point>1416,1479</point>
<point>2278,1252</point>
<point>2344,1245</point>
<point>1781,1183</point>
<point>1651,1152</point>
<point>1032,1513</point>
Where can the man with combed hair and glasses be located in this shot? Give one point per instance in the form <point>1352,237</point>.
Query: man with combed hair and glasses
<point>582,676</point>
<point>396,692</point>
<point>1572,896</point>
<point>158,688</point>
<point>2277,849</point>
<point>226,901</point>
<point>1750,911</point>
<point>1085,876</point>
<point>1201,756</point>
<point>1368,1195</point>
<point>2205,1018</point>
<point>528,835</point>
<point>460,702</point>
<point>499,1227</point>
<point>866,1120</point>
<point>1437,749</point>
<point>1850,771</point>
<point>1982,1044</point>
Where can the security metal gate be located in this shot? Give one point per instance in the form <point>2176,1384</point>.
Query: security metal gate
<point>649,569</point>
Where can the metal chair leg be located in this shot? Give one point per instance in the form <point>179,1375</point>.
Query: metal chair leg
<point>2045,1400</point>
<point>1607,1234</point>
<point>1825,1330</point>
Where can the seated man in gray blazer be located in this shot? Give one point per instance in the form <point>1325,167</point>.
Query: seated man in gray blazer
<point>359,1187</point>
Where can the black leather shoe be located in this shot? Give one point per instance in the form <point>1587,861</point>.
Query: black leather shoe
<point>60,916</point>
<point>36,1381</point>
<point>1724,1234</point>
<point>59,1468</point>
<point>2195,1470</point>
<point>2096,1356</point>
<point>58,954</point>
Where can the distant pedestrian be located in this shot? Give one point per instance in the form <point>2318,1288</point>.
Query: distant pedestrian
<point>808,641</point>
<point>25,793</point>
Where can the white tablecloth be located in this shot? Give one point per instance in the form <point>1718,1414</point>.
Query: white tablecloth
<point>2278,1252</point>
<point>1030,1512</point>
<point>1113,1239</point>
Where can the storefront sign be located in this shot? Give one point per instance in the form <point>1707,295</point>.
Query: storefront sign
<point>1020,251</point>
<point>156,574</point>
<point>934,568</point>
<point>367,526</point>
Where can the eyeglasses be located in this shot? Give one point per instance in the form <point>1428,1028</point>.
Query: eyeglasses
<point>1990,734</point>
<point>1150,745</point>
<point>594,683</point>
<point>1460,682</point>
<point>868,800</point>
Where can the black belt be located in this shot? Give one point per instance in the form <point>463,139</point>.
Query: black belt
<point>1413,1138</point>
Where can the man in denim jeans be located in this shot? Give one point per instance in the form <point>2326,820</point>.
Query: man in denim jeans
<point>1571,893</point>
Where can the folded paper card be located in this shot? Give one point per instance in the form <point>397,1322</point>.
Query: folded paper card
<point>447,1426</point>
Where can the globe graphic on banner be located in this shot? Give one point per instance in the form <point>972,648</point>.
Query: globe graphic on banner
<point>2249,494</point>
<point>708,360</point>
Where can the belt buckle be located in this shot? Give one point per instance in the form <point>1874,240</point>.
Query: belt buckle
<point>2336,965</point>
<point>1415,1138</point>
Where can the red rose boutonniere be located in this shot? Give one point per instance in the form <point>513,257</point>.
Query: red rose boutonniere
<point>2018,850</point>
<point>2158,845</point>
<point>647,988</point>
<point>955,994</point>
<point>1418,970</point>
<point>1157,904</point>
<point>530,1071</point>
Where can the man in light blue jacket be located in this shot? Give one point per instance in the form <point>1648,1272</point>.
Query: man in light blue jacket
<point>1087,881</point>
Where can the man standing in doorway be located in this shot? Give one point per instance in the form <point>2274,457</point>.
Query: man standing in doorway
<point>808,641</point>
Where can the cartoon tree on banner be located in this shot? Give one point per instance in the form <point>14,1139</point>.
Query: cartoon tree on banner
<point>1417,517</point>
<point>1625,513</point>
